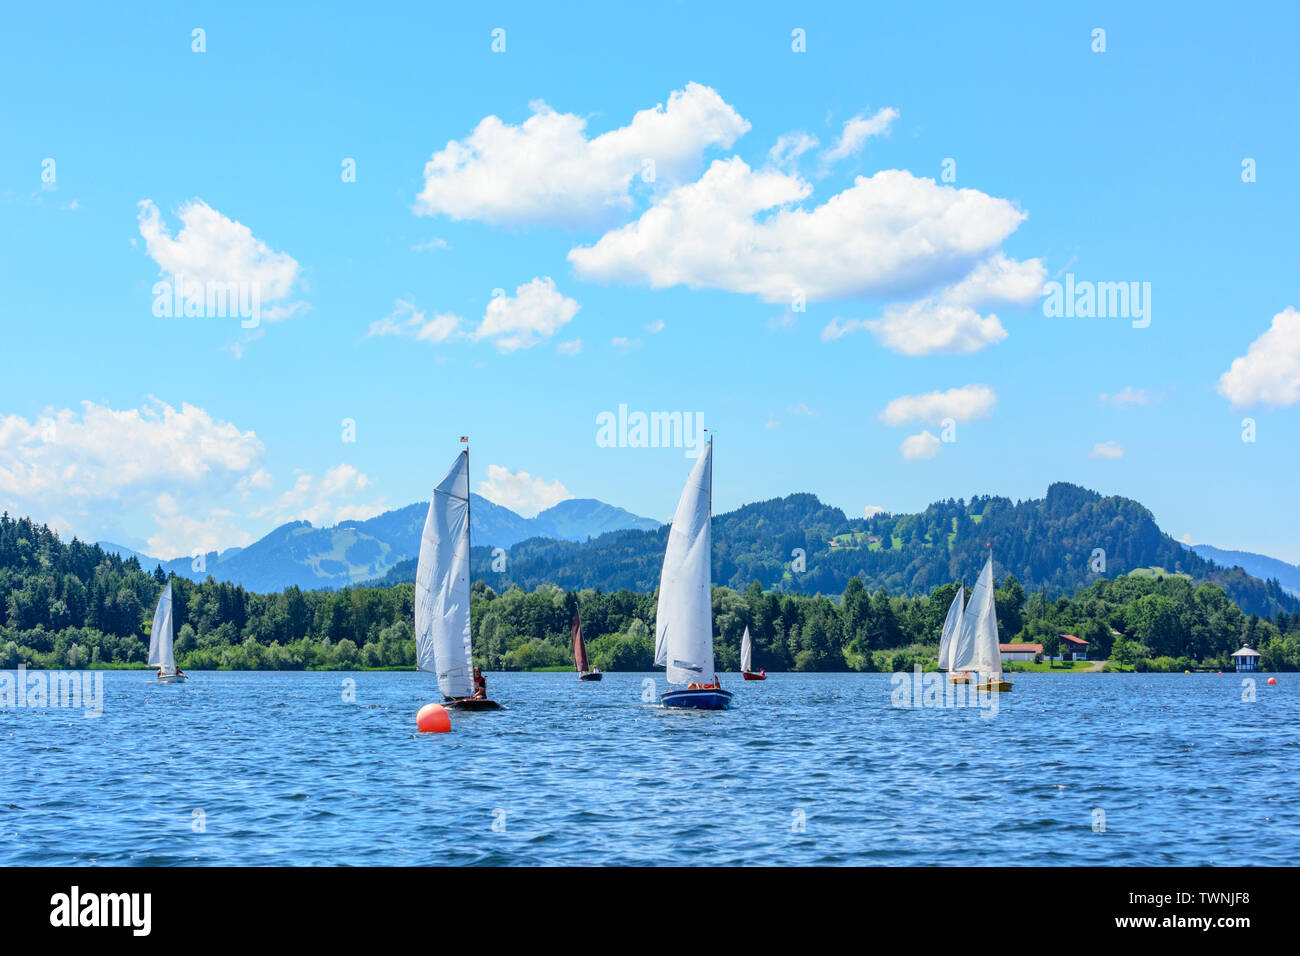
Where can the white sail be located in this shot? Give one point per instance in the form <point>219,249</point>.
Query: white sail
<point>684,619</point>
<point>160,635</point>
<point>442,635</point>
<point>977,649</point>
<point>951,627</point>
<point>746,652</point>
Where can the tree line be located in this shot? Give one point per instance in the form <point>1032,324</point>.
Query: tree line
<point>71,604</point>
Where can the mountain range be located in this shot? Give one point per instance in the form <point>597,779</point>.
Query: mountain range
<point>1053,545</point>
<point>798,544</point>
<point>353,551</point>
<point>1260,565</point>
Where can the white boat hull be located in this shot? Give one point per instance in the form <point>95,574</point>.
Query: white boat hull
<point>173,679</point>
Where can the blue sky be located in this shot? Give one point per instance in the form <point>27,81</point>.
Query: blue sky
<point>175,434</point>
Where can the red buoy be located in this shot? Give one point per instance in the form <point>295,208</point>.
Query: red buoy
<point>1272,680</point>
<point>433,719</point>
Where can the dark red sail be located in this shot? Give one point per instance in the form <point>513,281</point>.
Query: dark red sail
<point>579,646</point>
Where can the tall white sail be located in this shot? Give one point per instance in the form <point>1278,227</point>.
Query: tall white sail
<point>977,649</point>
<point>684,619</point>
<point>951,627</point>
<point>442,635</point>
<point>746,652</point>
<point>160,635</point>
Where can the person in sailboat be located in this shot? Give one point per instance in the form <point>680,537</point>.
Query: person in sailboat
<point>179,673</point>
<point>480,684</point>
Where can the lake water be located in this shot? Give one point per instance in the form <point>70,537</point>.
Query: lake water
<point>278,768</point>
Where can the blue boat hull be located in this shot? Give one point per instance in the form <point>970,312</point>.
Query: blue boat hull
<point>697,699</point>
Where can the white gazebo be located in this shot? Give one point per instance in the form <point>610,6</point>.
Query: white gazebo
<point>1246,659</point>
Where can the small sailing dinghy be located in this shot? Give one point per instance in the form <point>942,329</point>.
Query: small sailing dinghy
<point>161,655</point>
<point>747,659</point>
<point>585,670</point>
<point>976,648</point>
<point>951,627</point>
<point>684,619</point>
<point>442,631</point>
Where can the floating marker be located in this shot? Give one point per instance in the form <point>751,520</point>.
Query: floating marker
<point>433,719</point>
<point>1272,680</point>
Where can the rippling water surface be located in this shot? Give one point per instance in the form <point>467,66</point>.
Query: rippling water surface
<point>278,768</point>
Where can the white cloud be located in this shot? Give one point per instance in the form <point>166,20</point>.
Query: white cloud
<point>535,312</point>
<point>1269,372</point>
<point>547,172</point>
<point>1109,449</point>
<point>1129,396</point>
<point>430,245</point>
<point>889,234</point>
<point>212,248</point>
<point>96,462</point>
<point>521,492</point>
<point>927,327</point>
<point>948,321</point>
<point>919,447</point>
<point>655,327</point>
<point>102,453</point>
<point>569,348</point>
<point>789,147</point>
<point>624,343</point>
<point>407,320</point>
<point>326,500</point>
<point>858,130</point>
<point>966,404</point>
<point>998,279</point>
<point>870,511</point>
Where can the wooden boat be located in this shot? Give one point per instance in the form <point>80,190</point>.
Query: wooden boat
<point>161,653</point>
<point>959,678</point>
<point>585,670</point>
<point>747,659</point>
<point>975,650</point>
<point>684,617</point>
<point>442,632</point>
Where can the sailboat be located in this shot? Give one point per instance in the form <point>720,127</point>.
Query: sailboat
<point>976,646</point>
<point>442,632</point>
<point>161,655</point>
<point>951,627</point>
<point>747,659</point>
<point>684,619</point>
<point>585,670</point>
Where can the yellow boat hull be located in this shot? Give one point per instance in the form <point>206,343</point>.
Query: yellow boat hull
<point>958,679</point>
<point>995,686</point>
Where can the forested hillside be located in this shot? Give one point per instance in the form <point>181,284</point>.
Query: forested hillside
<point>72,605</point>
<point>1048,544</point>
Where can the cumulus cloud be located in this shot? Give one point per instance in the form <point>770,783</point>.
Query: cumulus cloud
<point>1109,449</point>
<point>948,321</point>
<point>965,404</point>
<point>101,453</point>
<point>407,320</point>
<point>157,459</point>
<point>213,248</point>
<point>547,172</point>
<point>919,447</point>
<point>928,327</point>
<point>535,312</point>
<point>870,511</point>
<point>1269,372</point>
<point>858,130</point>
<point>792,412</point>
<point>521,492</point>
<point>888,234</point>
<point>327,499</point>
